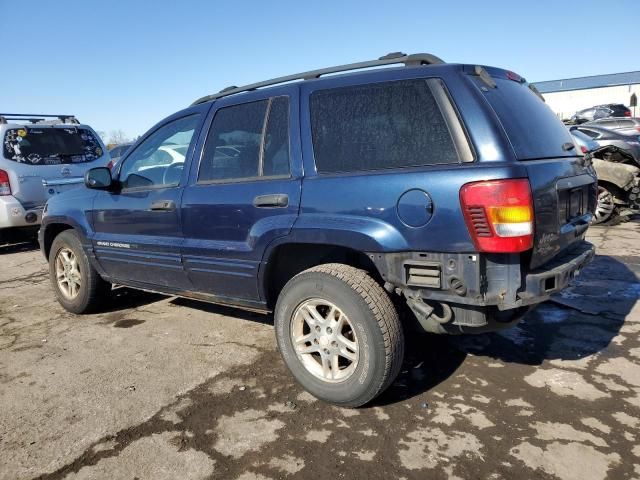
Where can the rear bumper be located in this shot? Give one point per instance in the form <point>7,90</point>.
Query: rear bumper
<point>556,275</point>
<point>474,293</point>
<point>13,214</point>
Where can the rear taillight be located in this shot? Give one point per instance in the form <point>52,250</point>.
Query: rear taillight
<point>499,214</point>
<point>627,113</point>
<point>5,186</point>
<point>110,164</point>
<point>584,149</point>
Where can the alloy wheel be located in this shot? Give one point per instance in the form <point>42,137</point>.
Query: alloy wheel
<point>324,340</point>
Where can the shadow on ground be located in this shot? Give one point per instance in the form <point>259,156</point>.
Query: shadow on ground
<point>579,322</point>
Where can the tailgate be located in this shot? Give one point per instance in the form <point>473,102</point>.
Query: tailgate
<point>563,184</point>
<point>564,198</point>
<point>34,185</point>
<point>44,160</point>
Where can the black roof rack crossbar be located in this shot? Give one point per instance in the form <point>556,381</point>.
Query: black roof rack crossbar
<point>389,59</point>
<point>36,117</point>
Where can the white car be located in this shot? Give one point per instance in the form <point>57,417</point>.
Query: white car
<point>41,156</point>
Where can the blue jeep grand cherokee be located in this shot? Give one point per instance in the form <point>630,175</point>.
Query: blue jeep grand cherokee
<point>334,201</point>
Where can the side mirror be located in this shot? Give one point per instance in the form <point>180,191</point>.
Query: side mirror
<point>98,178</point>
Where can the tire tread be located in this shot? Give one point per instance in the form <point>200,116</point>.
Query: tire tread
<point>384,312</point>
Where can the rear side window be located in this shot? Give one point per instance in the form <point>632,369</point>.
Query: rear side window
<point>533,129</point>
<point>247,141</point>
<point>51,145</point>
<point>590,133</point>
<point>379,126</point>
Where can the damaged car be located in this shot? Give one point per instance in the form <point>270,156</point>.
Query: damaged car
<point>448,191</point>
<point>618,179</point>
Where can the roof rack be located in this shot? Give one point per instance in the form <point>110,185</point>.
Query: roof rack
<point>35,118</point>
<point>389,59</point>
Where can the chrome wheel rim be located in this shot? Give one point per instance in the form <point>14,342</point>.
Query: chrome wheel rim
<point>324,340</point>
<point>605,205</point>
<point>68,273</point>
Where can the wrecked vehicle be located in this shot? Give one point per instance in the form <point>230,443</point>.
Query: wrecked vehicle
<point>450,191</point>
<point>618,174</point>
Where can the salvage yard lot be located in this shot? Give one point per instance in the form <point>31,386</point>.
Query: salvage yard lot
<point>159,387</point>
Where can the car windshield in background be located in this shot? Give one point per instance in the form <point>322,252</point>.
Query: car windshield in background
<point>51,146</point>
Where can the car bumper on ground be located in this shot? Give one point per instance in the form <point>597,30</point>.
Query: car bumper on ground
<point>13,214</point>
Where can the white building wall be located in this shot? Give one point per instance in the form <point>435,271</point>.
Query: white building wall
<point>565,104</point>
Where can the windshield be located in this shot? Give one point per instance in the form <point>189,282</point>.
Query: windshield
<point>51,146</point>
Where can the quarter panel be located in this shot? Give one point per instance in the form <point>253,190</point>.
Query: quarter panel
<point>359,211</point>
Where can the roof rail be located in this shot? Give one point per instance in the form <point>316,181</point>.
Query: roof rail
<point>389,59</point>
<point>36,117</point>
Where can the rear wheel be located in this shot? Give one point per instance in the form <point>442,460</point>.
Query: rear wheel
<point>606,207</point>
<point>77,285</point>
<point>339,334</point>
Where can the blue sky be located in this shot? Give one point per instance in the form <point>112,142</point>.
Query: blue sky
<point>125,64</point>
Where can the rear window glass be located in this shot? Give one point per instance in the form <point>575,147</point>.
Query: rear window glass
<point>51,146</point>
<point>378,126</point>
<point>533,129</point>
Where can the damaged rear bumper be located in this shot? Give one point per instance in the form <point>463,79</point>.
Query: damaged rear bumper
<point>556,275</point>
<point>477,293</point>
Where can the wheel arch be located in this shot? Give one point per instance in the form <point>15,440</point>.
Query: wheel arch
<point>49,234</point>
<point>285,260</point>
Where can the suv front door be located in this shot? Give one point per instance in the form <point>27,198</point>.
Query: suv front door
<point>243,193</point>
<point>138,230</point>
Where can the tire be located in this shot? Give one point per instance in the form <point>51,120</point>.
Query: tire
<point>90,289</point>
<point>368,334</point>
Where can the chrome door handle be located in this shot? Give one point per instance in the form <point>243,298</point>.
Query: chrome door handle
<point>276,200</point>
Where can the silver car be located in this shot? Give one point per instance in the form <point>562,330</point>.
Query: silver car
<point>41,156</point>
<point>625,125</point>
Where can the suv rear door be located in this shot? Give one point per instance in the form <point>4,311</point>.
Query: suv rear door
<point>562,182</point>
<point>243,193</point>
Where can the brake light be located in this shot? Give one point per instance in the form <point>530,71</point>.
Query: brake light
<point>584,149</point>
<point>627,113</point>
<point>499,214</point>
<point>110,164</point>
<point>5,186</point>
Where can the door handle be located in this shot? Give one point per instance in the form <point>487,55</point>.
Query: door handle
<point>163,206</point>
<point>275,200</point>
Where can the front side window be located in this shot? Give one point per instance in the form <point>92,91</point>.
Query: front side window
<point>35,145</point>
<point>159,160</point>
<point>385,125</point>
<point>247,141</point>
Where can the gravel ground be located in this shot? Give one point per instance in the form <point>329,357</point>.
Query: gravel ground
<point>163,388</point>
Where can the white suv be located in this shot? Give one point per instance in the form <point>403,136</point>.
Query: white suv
<point>41,156</point>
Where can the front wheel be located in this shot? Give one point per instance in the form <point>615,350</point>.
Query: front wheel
<point>77,285</point>
<point>339,334</point>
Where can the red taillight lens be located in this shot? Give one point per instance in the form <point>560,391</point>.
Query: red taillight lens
<point>110,164</point>
<point>499,214</point>
<point>627,113</point>
<point>5,186</point>
<point>584,149</point>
